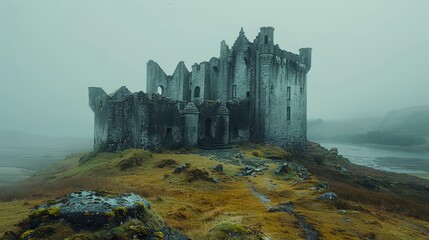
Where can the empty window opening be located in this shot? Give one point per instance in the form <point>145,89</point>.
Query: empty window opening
<point>161,90</point>
<point>197,92</point>
<point>248,94</point>
<point>169,130</point>
<point>234,91</point>
<point>288,93</point>
<point>266,39</point>
<point>288,113</point>
<point>208,127</point>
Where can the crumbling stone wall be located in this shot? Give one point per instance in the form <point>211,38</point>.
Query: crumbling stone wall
<point>265,89</point>
<point>124,120</point>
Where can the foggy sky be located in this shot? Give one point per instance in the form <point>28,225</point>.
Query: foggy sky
<point>369,57</point>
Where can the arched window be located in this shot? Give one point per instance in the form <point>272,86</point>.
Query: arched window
<point>161,90</point>
<point>197,92</point>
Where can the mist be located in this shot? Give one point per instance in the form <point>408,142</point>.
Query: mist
<point>369,57</point>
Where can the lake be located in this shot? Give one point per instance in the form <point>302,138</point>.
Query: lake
<point>21,154</point>
<point>413,162</point>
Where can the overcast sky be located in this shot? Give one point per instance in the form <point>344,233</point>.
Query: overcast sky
<point>369,57</point>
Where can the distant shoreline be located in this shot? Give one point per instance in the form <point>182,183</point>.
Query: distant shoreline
<point>423,148</point>
<point>23,154</point>
<point>384,157</point>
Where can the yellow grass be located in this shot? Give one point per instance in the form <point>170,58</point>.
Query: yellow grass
<point>12,213</point>
<point>196,208</point>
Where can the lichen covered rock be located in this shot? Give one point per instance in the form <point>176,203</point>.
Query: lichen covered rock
<point>105,216</point>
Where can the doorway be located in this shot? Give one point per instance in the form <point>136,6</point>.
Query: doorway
<point>208,127</point>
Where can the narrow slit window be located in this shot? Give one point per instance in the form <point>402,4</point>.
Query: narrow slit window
<point>288,113</point>
<point>266,39</point>
<point>288,93</point>
<point>234,91</point>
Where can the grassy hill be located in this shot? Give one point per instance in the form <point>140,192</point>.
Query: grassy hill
<point>203,202</point>
<point>411,121</point>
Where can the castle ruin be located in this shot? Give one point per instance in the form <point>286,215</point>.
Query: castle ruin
<point>254,91</point>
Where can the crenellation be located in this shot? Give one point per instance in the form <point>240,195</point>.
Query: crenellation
<point>254,91</point>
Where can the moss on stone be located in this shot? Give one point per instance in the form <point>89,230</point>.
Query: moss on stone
<point>26,234</point>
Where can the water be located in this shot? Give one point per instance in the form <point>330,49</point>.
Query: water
<point>21,154</point>
<point>414,162</point>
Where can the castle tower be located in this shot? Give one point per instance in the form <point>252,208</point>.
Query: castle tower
<point>222,124</point>
<point>242,73</point>
<point>190,135</point>
<point>264,71</point>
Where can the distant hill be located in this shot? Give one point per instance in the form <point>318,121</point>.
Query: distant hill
<point>411,121</point>
<point>319,129</point>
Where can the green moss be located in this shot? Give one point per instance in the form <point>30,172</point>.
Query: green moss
<point>45,213</point>
<point>26,234</point>
<point>139,230</point>
<point>120,211</point>
<point>109,215</point>
<point>38,212</point>
<point>54,212</point>
<point>159,235</point>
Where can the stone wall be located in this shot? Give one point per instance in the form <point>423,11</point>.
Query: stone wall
<point>264,86</point>
<point>137,121</point>
<point>239,121</point>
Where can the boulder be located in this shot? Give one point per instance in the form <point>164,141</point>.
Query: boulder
<point>284,168</point>
<point>166,162</point>
<point>218,168</point>
<point>320,187</point>
<point>106,216</point>
<point>181,168</point>
<point>198,174</point>
<point>283,207</point>
<point>247,170</point>
<point>328,196</point>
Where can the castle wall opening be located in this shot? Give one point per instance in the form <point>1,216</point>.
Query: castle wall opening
<point>208,127</point>
<point>161,90</point>
<point>197,92</point>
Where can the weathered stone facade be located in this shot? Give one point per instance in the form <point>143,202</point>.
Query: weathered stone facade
<point>252,92</point>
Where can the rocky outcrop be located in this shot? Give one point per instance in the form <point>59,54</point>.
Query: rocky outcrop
<point>103,215</point>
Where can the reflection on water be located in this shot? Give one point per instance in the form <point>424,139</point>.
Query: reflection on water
<point>387,159</point>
